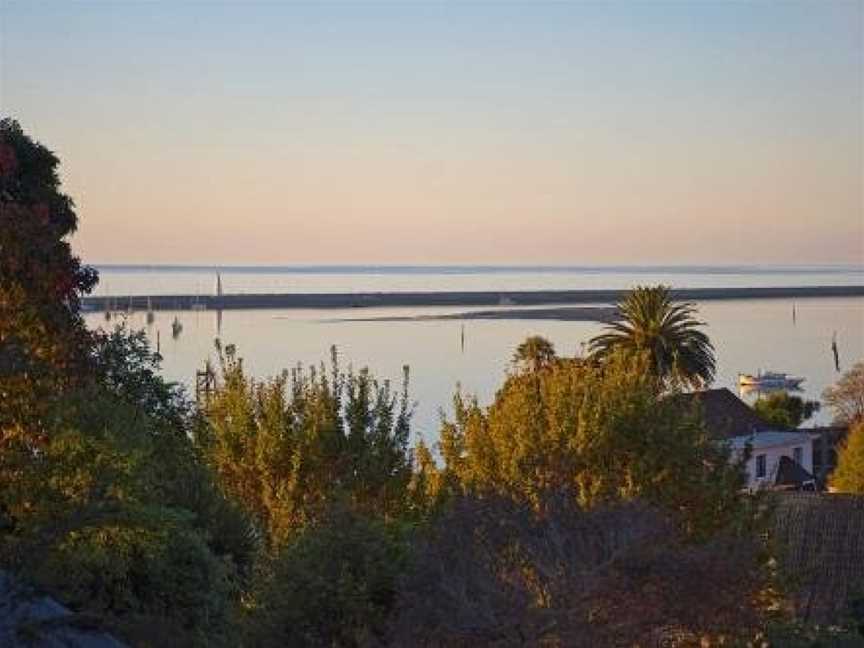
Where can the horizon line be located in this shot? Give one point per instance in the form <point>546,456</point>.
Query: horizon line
<point>334,268</point>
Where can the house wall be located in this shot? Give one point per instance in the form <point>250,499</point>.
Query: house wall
<point>772,456</point>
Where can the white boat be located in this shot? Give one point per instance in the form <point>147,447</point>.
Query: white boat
<point>769,379</point>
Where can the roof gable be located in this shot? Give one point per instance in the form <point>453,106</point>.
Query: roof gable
<point>791,473</point>
<point>725,415</point>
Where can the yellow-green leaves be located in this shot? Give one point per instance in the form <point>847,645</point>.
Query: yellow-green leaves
<point>848,477</point>
<point>599,432</point>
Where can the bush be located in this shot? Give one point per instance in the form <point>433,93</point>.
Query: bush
<point>333,585</point>
<point>137,568</point>
<point>117,515</point>
<point>289,448</point>
<point>495,573</point>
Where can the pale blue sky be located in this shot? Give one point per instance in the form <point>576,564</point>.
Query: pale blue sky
<point>605,132</point>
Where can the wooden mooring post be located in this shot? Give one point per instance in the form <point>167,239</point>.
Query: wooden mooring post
<point>205,383</point>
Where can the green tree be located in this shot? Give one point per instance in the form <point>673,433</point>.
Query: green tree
<point>534,353</point>
<point>650,320</point>
<point>43,342</point>
<point>601,433</point>
<point>289,447</point>
<point>846,397</point>
<point>104,500</point>
<point>785,410</point>
<point>333,584</point>
<point>118,515</point>
<point>848,476</point>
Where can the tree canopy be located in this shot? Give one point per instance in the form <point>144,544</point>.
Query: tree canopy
<point>289,447</point>
<point>846,397</point>
<point>602,433</point>
<point>651,321</point>
<point>848,476</point>
<point>42,338</point>
<point>784,409</point>
<point>534,353</point>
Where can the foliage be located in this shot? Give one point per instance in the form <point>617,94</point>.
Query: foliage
<point>332,584</point>
<point>848,476</point>
<point>117,515</point>
<point>651,321</point>
<point>42,338</point>
<point>534,353</point>
<point>141,566</point>
<point>428,489</point>
<point>602,433</point>
<point>492,572</point>
<point>126,366</point>
<point>846,397</point>
<point>785,410</point>
<point>289,447</point>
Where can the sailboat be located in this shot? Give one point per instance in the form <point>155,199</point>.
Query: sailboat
<point>150,315</point>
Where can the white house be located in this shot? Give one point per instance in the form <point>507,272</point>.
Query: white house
<point>766,467</point>
<point>780,458</point>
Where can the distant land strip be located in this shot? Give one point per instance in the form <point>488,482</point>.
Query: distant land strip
<point>480,298</point>
<point>560,313</point>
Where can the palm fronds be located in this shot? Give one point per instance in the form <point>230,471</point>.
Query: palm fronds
<point>650,321</point>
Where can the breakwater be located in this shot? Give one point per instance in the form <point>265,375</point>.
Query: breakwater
<point>418,299</point>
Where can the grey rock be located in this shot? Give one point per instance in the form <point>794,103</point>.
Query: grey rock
<point>31,620</point>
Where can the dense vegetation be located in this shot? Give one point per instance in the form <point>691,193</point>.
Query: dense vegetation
<point>785,410</point>
<point>848,477</point>
<point>583,507</point>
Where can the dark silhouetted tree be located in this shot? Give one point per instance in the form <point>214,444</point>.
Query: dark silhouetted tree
<point>42,337</point>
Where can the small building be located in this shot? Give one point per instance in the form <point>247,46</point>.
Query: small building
<point>780,458</point>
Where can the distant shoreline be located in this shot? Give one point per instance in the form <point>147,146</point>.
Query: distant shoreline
<point>442,299</point>
<point>560,314</point>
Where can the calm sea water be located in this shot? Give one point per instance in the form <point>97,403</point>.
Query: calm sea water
<point>167,280</point>
<point>748,335</point>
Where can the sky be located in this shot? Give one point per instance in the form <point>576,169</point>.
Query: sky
<point>449,132</point>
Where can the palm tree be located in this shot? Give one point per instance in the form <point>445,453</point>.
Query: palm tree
<point>651,321</point>
<point>534,353</point>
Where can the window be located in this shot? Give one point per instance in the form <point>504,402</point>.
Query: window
<point>798,455</point>
<point>760,467</point>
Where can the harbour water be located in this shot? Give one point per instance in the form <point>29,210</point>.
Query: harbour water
<point>749,335</point>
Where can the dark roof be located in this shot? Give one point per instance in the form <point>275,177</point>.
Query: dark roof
<point>791,473</point>
<point>725,414</point>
